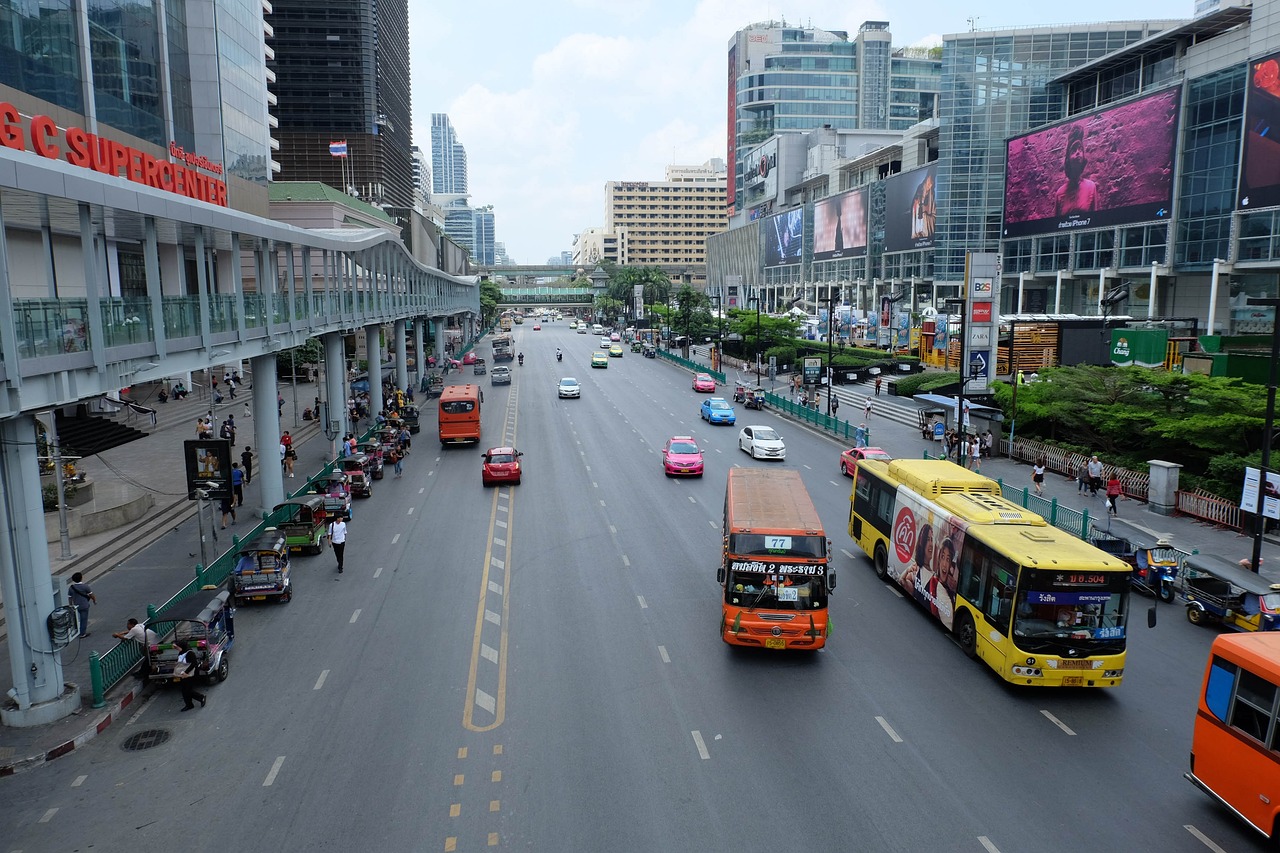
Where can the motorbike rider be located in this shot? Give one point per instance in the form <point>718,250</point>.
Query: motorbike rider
<point>559,355</point>
<point>520,358</point>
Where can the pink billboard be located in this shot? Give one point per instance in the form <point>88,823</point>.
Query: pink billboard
<point>1111,167</point>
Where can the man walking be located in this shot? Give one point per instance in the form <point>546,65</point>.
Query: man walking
<point>835,404</point>
<point>81,598</point>
<point>1095,475</point>
<point>237,484</point>
<point>246,462</point>
<point>338,538</point>
<point>185,672</point>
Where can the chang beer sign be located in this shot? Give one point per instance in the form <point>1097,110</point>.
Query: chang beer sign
<point>1140,347</point>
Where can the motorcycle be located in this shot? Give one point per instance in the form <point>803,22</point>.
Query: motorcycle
<point>559,356</point>
<point>520,358</point>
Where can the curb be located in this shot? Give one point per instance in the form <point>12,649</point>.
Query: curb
<point>113,709</point>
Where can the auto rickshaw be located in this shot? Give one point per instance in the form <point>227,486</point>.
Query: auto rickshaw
<point>304,522</point>
<point>410,416</point>
<point>262,569</point>
<point>754,399</point>
<point>206,625</point>
<point>1218,590</point>
<point>478,367</point>
<point>434,385</point>
<point>372,448</point>
<point>336,490</point>
<point>1153,557</point>
<point>355,462</point>
<point>636,346</point>
<point>739,393</point>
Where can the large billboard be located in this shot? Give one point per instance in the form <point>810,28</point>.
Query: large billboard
<point>840,226</point>
<point>910,210</point>
<point>1111,167</point>
<point>1260,166</point>
<point>782,235</point>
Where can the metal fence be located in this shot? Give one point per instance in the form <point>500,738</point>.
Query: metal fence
<point>696,367</point>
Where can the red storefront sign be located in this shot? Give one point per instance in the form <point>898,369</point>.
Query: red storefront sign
<point>981,312</point>
<point>87,150</point>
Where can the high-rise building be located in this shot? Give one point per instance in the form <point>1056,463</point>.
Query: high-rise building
<point>666,223</point>
<point>342,75</point>
<point>785,79</point>
<point>448,157</point>
<point>460,223</point>
<point>421,178</point>
<point>483,243</point>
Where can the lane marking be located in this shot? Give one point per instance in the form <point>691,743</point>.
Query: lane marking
<point>845,551</point>
<point>490,616</point>
<point>712,523</point>
<point>613,529</point>
<point>473,672</point>
<point>991,848</point>
<point>411,509</point>
<point>488,652</point>
<point>495,776</point>
<point>497,564</point>
<point>701,745</point>
<point>395,539</point>
<point>78,781</point>
<point>1202,838</point>
<point>494,805</point>
<point>423,489</point>
<point>643,605</point>
<point>354,617</point>
<point>324,673</point>
<point>662,650</point>
<point>626,562</point>
<point>893,589</point>
<point>450,844</point>
<point>378,572</point>
<point>500,542</point>
<point>834,483</point>
<point>602,503</point>
<point>493,839</point>
<point>455,809</point>
<point>484,700</point>
<point>888,729</point>
<point>495,588</point>
<point>1058,723</point>
<point>48,816</point>
<point>807,467</point>
<point>692,500</point>
<point>501,524</point>
<point>458,779</point>
<point>145,706</point>
<point>275,768</point>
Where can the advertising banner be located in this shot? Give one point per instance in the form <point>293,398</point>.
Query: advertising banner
<point>1141,347</point>
<point>911,210</point>
<point>208,466</point>
<point>1111,167</point>
<point>1270,490</point>
<point>782,235</point>
<point>1260,167</point>
<point>840,226</point>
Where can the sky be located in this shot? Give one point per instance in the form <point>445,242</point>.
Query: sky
<point>552,99</point>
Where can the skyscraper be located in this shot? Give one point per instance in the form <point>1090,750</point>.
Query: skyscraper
<point>483,250</point>
<point>448,157</point>
<point>342,74</point>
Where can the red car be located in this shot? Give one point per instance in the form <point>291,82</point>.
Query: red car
<point>469,358</point>
<point>537,327</point>
<point>704,382</point>
<point>849,459</point>
<point>501,465</point>
<point>682,456</point>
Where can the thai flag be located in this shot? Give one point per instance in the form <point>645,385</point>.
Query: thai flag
<point>338,149</point>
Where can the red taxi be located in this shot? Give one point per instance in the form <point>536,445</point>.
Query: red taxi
<point>704,382</point>
<point>681,456</point>
<point>849,459</point>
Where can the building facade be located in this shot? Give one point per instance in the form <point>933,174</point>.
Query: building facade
<point>448,158</point>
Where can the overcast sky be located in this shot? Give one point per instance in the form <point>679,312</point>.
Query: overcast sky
<point>551,99</point>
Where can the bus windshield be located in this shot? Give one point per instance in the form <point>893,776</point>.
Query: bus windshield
<point>777,591</point>
<point>773,544</point>
<point>1052,616</point>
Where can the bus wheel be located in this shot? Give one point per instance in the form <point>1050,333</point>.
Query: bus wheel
<point>881,561</point>
<point>966,634</point>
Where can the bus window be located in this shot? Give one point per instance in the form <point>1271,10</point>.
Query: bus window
<point>763,545</point>
<point>457,407</point>
<point>1254,706</point>
<point>1217,691</point>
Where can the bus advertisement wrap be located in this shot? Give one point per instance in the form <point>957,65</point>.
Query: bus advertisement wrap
<point>1112,167</point>
<point>911,210</point>
<point>782,235</point>
<point>840,226</point>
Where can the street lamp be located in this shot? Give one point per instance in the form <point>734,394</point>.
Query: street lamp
<point>1268,430</point>
<point>756,300</point>
<point>831,314</point>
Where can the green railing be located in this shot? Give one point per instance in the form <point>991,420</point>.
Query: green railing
<point>818,418</point>
<point>695,366</point>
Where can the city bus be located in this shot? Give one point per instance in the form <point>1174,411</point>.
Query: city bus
<point>1236,734</point>
<point>459,414</point>
<point>1037,605</point>
<point>774,574</point>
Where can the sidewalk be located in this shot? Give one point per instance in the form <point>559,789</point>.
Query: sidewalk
<point>125,585</point>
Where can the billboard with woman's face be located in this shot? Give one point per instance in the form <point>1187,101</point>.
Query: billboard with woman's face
<point>782,235</point>
<point>840,226</point>
<point>1260,167</point>
<point>1111,167</point>
<point>910,210</point>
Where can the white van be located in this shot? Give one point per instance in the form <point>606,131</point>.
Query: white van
<point>597,329</point>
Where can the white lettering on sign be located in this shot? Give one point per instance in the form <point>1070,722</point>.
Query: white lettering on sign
<point>762,568</point>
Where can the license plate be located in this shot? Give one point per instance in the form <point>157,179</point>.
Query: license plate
<point>1073,681</point>
<point>775,643</point>
<point>1075,664</point>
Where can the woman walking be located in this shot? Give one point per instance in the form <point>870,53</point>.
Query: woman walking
<point>1037,476</point>
<point>1114,491</point>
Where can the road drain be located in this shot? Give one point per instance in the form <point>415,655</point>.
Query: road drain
<point>144,740</point>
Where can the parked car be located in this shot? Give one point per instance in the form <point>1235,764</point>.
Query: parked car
<point>762,442</point>
<point>849,459</point>
<point>682,456</point>
<point>501,465</point>
<point>500,375</point>
<point>704,382</point>
<point>718,410</point>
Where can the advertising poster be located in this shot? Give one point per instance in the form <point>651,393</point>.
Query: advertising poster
<point>1270,493</point>
<point>782,235</point>
<point>840,226</point>
<point>925,559</point>
<point>886,311</point>
<point>208,465</point>
<point>911,210</point>
<point>1260,167</point>
<point>1111,167</point>
<point>941,339</point>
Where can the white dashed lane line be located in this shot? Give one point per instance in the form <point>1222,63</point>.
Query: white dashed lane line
<point>1202,838</point>
<point>701,745</point>
<point>271,776</point>
<point>888,729</point>
<point>1051,718</point>
<point>320,681</point>
<point>354,617</point>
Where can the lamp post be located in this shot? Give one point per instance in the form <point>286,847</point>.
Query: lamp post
<point>1268,431</point>
<point>756,300</point>
<point>964,369</point>
<point>831,314</point>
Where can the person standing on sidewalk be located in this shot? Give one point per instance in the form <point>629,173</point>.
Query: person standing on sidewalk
<point>866,410</point>
<point>246,462</point>
<point>338,538</point>
<point>1095,475</point>
<point>879,381</point>
<point>835,405</point>
<point>144,637</point>
<point>81,598</point>
<point>237,484</point>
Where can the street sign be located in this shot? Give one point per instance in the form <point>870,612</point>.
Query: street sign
<point>980,336</point>
<point>977,364</point>
<point>812,370</point>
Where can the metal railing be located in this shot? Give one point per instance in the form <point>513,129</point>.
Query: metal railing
<point>695,366</point>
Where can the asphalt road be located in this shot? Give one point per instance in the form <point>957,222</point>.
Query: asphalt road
<point>538,667</point>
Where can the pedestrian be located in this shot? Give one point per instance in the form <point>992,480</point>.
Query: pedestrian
<point>246,462</point>
<point>227,431</point>
<point>237,484</point>
<point>338,538</point>
<point>1114,492</point>
<point>835,404</point>
<point>228,508</point>
<point>1037,475</point>
<point>975,454</point>
<point>406,440</point>
<point>398,461</point>
<point>81,598</point>
<point>185,672</point>
<point>231,385</point>
<point>879,380</point>
<point>280,405</point>
<point>200,430</point>
<point>144,637</point>
<point>1082,477</point>
<point>248,413</point>
<point>988,443</point>
<point>287,453</point>
<point>1095,475</point>
<point>866,410</point>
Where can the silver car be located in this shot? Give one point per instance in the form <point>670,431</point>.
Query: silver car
<point>500,375</point>
<point>568,387</point>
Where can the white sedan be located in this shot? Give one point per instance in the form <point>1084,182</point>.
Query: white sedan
<point>762,442</point>
<point>568,387</point>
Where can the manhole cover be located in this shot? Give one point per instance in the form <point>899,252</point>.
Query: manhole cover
<point>144,740</point>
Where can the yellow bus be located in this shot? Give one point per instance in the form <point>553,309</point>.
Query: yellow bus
<point>1037,605</point>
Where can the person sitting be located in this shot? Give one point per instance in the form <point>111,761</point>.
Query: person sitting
<point>163,396</point>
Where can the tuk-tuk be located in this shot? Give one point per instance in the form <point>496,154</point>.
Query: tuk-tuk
<point>262,569</point>
<point>1154,559</point>
<point>205,625</point>
<point>754,399</point>
<point>739,393</point>
<point>435,385</point>
<point>336,490</point>
<point>478,367</point>
<point>636,346</point>
<point>304,524</point>
<point>360,483</point>
<point>649,352</point>
<point>355,462</point>
<point>372,449</point>
<point>410,416</point>
<point>1218,590</point>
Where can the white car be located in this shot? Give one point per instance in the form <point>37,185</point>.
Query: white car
<point>605,343</point>
<point>568,387</point>
<point>762,442</point>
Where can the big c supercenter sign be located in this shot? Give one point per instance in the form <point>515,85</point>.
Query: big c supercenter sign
<point>77,146</point>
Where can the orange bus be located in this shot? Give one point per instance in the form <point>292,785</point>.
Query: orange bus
<point>774,575</point>
<point>459,414</point>
<point>1236,735</point>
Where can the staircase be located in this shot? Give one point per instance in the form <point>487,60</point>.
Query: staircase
<point>84,434</point>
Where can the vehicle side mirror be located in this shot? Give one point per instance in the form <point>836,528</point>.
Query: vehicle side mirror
<point>720,575</point>
<point>831,581</point>
<point>1151,617</point>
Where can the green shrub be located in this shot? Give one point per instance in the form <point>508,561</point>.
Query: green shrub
<point>924,383</point>
<point>49,495</point>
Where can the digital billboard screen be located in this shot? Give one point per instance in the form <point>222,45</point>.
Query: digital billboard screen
<point>840,226</point>
<point>1260,167</point>
<point>1111,167</point>
<point>910,210</point>
<point>782,235</point>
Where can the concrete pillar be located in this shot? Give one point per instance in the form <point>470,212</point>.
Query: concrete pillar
<point>338,423</point>
<point>27,585</point>
<point>1162,494</point>
<point>373,351</point>
<point>419,354</point>
<point>402,354</point>
<point>266,432</point>
<point>437,326</point>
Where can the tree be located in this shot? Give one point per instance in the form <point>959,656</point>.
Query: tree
<point>289,362</point>
<point>623,281</point>
<point>490,296</point>
<point>743,324</point>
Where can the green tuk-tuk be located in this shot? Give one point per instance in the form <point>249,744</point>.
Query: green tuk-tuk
<point>304,523</point>
<point>410,416</point>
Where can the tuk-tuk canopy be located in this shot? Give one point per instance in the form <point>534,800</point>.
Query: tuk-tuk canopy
<point>270,539</point>
<point>193,609</point>
<point>312,503</point>
<point>1232,573</point>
